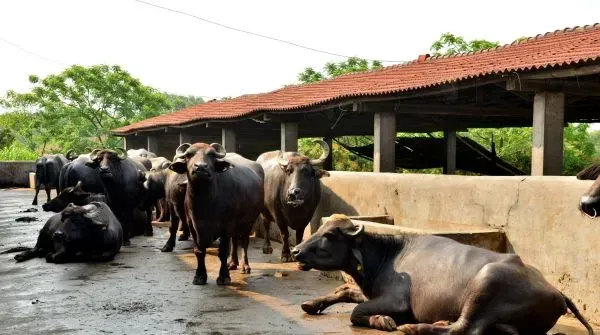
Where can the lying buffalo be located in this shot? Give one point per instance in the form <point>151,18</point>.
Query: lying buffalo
<point>47,172</point>
<point>223,198</point>
<point>589,203</point>
<point>78,233</point>
<point>73,195</point>
<point>122,178</point>
<point>422,283</point>
<point>292,192</point>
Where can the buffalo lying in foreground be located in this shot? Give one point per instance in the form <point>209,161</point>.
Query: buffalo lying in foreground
<point>223,198</point>
<point>292,192</point>
<point>47,172</point>
<point>589,203</point>
<point>78,233</point>
<point>422,282</point>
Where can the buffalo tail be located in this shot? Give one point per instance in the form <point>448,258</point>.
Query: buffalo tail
<point>578,315</point>
<point>16,249</point>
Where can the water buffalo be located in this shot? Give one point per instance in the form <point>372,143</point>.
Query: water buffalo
<point>292,192</point>
<point>162,207</point>
<point>159,163</point>
<point>141,153</point>
<point>78,233</point>
<point>122,178</point>
<point>424,282</point>
<point>47,171</point>
<point>75,195</point>
<point>223,198</point>
<point>589,203</point>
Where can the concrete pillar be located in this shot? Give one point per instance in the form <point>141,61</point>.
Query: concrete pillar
<point>548,127</point>
<point>228,140</point>
<point>125,143</point>
<point>328,163</point>
<point>450,142</point>
<point>184,137</point>
<point>384,153</point>
<point>289,136</point>
<point>152,144</point>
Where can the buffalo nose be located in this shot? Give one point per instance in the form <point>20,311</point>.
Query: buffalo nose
<point>294,191</point>
<point>588,204</point>
<point>200,167</point>
<point>295,252</point>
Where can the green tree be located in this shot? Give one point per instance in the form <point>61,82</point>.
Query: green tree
<point>177,102</point>
<point>332,69</point>
<point>450,44</point>
<point>79,106</point>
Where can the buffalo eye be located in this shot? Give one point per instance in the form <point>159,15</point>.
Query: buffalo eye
<point>329,235</point>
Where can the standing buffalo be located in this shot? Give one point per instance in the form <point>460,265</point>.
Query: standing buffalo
<point>141,153</point>
<point>420,282</point>
<point>159,163</point>
<point>292,192</point>
<point>162,207</point>
<point>589,203</point>
<point>223,198</point>
<point>78,233</point>
<point>47,171</point>
<point>122,178</point>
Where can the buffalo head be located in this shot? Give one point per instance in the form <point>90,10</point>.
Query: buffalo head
<point>106,160</point>
<point>332,247</point>
<point>74,194</point>
<point>302,177</point>
<point>589,203</point>
<point>79,222</point>
<point>200,161</point>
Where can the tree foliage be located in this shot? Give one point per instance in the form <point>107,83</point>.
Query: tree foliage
<point>177,102</point>
<point>332,69</point>
<point>450,44</point>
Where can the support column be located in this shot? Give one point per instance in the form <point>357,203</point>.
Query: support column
<point>152,144</point>
<point>384,153</point>
<point>548,127</point>
<point>289,136</point>
<point>228,140</point>
<point>328,163</point>
<point>125,143</point>
<point>450,141</point>
<point>184,137</point>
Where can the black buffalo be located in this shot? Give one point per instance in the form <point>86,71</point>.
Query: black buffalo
<point>75,195</point>
<point>123,179</point>
<point>78,233</point>
<point>589,203</point>
<point>223,198</point>
<point>47,171</point>
<point>292,192</point>
<point>430,284</point>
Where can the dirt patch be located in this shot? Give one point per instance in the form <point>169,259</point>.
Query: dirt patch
<point>130,307</point>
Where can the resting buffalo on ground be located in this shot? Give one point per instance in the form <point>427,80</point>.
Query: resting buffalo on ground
<point>421,282</point>
<point>47,171</point>
<point>78,233</point>
<point>122,178</point>
<point>75,195</point>
<point>292,192</point>
<point>223,198</point>
<point>141,153</point>
<point>589,203</point>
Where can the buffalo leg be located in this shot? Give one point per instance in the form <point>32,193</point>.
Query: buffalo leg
<point>345,293</point>
<point>201,242</point>
<point>200,277</point>
<point>286,256</point>
<point>170,244</point>
<point>48,190</point>
<point>377,313</point>
<point>224,278</point>
<point>185,228</point>
<point>126,219</point>
<point>37,190</point>
<point>267,248</point>
<point>148,231</point>
<point>29,254</point>
<point>234,262</point>
<point>245,241</point>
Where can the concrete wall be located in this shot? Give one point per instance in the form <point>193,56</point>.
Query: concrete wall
<point>539,216</point>
<point>15,173</point>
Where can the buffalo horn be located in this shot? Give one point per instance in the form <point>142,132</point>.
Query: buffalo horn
<point>69,157</point>
<point>359,229</point>
<point>181,151</point>
<point>94,153</point>
<point>324,155</point>
<point>123,153</point>
<point>219,149</point>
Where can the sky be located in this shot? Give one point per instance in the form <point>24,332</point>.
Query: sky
<point>183,55</point>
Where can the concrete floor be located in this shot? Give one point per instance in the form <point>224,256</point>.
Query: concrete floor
<point>144,291</point>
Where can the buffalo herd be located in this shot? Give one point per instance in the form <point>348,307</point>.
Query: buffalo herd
<point>411,284</point>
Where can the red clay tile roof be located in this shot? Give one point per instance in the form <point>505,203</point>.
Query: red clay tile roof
<point>552,50</point>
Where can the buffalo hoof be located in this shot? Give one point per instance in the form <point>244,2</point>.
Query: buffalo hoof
<point>384,322</point>
<point>183,237</point>
<point>286,258</point>
<point>148,233</point>
<point>34,203</point>
<point>20,258</point>
<point>199,280</point>
<point>167,248</point>
<point>267,249</point>
<point>245,269</point>
<point>232,266</point>
<point>224,281</point>
<point>126,243</point>
<point>312,307</point>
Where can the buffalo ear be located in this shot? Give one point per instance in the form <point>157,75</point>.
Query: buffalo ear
<point>319,173</point>
<point>178,166</point>
<point>221,165</point>
<point>354,230</point>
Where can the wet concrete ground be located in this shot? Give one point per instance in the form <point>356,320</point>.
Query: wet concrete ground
<point>144,291</point>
